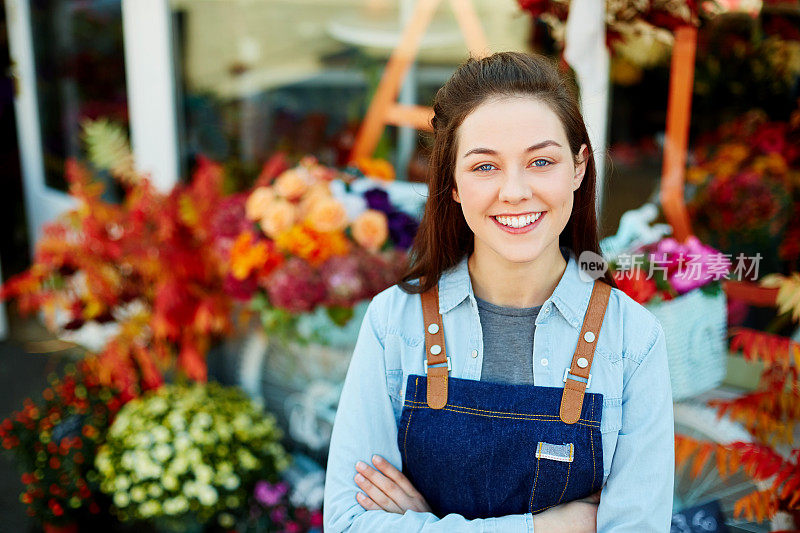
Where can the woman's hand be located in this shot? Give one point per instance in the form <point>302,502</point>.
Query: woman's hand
<point>387,488</point>
<point>579,516</point>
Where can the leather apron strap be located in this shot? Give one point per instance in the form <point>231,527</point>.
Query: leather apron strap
<point>437,364</point>
<point>435,352</point>
<point>572,397</point>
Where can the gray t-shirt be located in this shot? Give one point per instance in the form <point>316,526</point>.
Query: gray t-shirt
<point>507,342</point>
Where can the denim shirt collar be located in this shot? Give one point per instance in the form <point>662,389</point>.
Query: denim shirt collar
<point>571,295</point>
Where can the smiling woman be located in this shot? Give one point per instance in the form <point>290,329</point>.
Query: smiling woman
<point>500,387</point>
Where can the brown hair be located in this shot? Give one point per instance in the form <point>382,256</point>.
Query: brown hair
<point>444,237</point>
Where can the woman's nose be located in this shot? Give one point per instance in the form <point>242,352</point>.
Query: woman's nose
<point>514,188</point>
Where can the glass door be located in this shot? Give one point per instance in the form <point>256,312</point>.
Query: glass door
<point>68,63</point>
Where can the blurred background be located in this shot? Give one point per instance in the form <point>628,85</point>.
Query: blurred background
<point>227,108</point>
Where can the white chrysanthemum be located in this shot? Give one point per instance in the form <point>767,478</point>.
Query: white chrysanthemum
<point>160,434</point>
<point>149,508</point>
<point>182,442</point>
<point>202,419</point>
<point>138,494</point>
<point>231,482</point>
<point>157,406</point>
<point>155,490</point>
<point>127,460</point>
<point>203,473</point>
<point>176,421</point>
<point>170,482</point>
<point>247,459</point>
<point>122,482</point>
<point>207,495</point>
<point>179,464</point>
<point>121,499</point>
<point>162,452</point>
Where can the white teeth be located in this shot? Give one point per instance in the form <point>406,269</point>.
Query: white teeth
<point>518,222</point>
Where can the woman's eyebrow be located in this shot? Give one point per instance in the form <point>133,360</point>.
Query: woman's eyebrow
<point>489,151</point>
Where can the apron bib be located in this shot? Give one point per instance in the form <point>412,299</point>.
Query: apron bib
<point>483,449</point>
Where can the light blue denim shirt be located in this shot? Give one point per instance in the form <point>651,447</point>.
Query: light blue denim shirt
<point>629,369</point>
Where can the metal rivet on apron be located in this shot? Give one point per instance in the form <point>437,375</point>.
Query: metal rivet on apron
<point>588,336</point>
<point>582,362</point>
<point>436,349</point>
<point>474,353</point>
<point>433,329</point>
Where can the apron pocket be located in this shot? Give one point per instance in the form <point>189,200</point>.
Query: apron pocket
<point>551,479</point>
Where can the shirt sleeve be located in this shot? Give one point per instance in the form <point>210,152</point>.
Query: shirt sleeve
<point>364,425</point>
<point>638,494</point>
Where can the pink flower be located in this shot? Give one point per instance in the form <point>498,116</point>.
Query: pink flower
<point>268,494</point>
<point>295,286</point>
<point>690,264</point>
<point>344,280</point>
<point>240,289</point>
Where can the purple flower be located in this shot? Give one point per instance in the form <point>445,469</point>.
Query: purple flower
<point>268,494</point>
<point>402,229</point>
<point>278,515</point>
<point>378,199</point>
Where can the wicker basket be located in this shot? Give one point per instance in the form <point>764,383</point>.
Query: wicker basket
<point>695,326</point>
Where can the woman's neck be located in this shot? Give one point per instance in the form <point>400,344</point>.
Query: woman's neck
<point>515,284</point>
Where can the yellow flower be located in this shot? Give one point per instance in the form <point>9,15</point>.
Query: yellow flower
<point>315,247</point>
<point>371,229</point>
<point>376,168</point>
<point>773,163</point>
<point>258,202</point>
<point>326,215</point>
<point>246,257</point>
<point>696,175</point>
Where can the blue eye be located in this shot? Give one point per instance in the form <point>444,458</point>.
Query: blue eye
<point>479,167</point>
<point>545,161</point>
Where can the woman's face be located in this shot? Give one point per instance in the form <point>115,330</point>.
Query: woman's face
<point>515,176</point>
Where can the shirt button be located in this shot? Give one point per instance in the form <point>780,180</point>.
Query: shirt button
<point>544,362</point>
<point>474,353</point>
<point>545,310</point>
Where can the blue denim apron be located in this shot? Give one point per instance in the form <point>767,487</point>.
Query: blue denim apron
<point>483,449</point>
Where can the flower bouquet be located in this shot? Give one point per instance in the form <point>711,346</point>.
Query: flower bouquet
<point>185,454</point>
<point>307,240</point>
<point>680,284</point>
<point>55,442</point>
<point>639,32</point>
<point>746,177</point>
<point>308,248</point>
<point>141,272</point>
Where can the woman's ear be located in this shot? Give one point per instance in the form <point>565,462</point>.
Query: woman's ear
<point>580,167</point>
<point>456,197</point>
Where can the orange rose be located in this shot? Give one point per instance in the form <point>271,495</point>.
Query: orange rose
<point>258,202</point>
<point>280,215</point>
<point>326,215</point>
<point>371,229</point>
<point>292,184</point>
<point>317,192</point>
